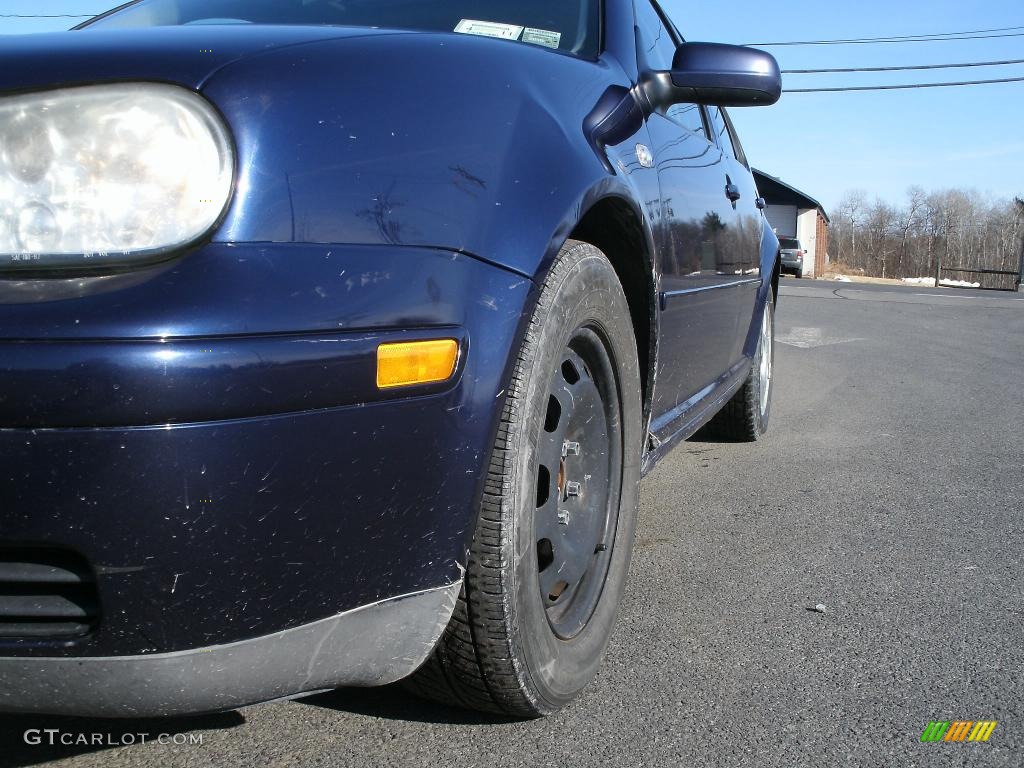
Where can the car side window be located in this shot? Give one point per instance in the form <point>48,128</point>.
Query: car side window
<point>689,117</point>
<point>734,138</point>
<point>721,131</point>
<point>659,49</point>
<point>656,43</point>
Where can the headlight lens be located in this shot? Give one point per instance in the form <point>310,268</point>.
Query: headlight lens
<point>108,174</point>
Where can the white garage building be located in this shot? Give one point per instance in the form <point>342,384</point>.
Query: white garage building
<point>793,213</point>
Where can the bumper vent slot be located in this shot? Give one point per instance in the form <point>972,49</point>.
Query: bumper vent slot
<point>46,593</point>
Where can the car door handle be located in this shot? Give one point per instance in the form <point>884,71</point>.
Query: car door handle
<point>731,190</point>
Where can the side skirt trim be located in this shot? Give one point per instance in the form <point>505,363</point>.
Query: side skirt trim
<point>685,419</point>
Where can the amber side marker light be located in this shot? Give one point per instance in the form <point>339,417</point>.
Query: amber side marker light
<point>416,362</point>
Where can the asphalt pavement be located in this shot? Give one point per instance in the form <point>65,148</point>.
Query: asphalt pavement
<point>888,494</point>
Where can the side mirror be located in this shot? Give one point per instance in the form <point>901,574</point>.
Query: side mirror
<point>721,75</point>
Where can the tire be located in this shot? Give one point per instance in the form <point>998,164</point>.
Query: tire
<point>745,417</point>
<point>521,643</point>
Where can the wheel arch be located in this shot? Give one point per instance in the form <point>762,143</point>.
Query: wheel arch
<point>771,257</point>
<point>615,225</point>
<point>776,273</point>
<point>771,264</point>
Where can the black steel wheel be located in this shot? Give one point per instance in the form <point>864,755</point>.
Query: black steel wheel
<point>579,472</point>
<point>551,552</point>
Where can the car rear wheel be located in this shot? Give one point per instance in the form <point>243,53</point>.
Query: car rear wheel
<point>745,416</point>
<point>551,550</point>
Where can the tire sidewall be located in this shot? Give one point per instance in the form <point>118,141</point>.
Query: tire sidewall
<point>587,294</point>
<point>762,419</point>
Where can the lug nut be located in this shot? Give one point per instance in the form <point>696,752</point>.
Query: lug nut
<point>573,489</point>
<point>570,448</point>
<point>563,517</point>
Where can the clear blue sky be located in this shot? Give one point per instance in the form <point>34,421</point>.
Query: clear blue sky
<point>828,143</point>
<point>881,142</point>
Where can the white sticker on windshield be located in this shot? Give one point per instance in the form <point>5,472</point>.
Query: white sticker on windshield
<point>542,37</point>
<point>489,29</point>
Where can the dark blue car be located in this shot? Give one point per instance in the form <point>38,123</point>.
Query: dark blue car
<point>335,338</point>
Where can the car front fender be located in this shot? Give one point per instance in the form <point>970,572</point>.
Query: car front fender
<point>436,140</point>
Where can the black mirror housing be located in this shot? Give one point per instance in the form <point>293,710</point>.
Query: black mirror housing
<point>725,75</point>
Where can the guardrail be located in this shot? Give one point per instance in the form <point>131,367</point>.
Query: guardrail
<point>1018,275</point>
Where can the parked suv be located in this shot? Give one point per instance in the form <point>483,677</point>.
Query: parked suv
<point>792,253</point>
<point>336,338</point>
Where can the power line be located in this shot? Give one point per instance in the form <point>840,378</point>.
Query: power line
<point>903,69</point>
<point>976,34</point>
<point>48,16</point>
<point>903,87</point>
<point>902,40</point>
<point>943,34</point>
<point>890,38</point>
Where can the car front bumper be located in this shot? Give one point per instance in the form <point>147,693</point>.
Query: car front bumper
<point>372,645</point>
<point>258,518</point>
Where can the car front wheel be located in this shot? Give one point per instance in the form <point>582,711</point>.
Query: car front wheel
<point>552,545</point>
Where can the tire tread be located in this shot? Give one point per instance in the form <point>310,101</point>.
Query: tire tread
<point>473,665</point>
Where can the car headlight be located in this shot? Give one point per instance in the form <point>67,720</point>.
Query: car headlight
<point>108,174</point>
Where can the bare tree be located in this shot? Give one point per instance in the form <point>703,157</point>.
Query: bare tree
<point>848,218</point>
<point>955,228</point>
<point>915,205</point>
<point>879,227</point>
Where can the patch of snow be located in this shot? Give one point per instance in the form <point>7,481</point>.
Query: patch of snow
<point>930,282</point>
<point>842,279</point>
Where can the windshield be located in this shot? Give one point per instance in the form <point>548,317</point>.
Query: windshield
<point>572,26</point>
<point>789,245</point>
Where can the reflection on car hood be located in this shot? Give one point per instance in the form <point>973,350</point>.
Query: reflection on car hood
<point>183,55</point>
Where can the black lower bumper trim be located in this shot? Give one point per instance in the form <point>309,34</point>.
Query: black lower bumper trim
<point>371,645</point>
